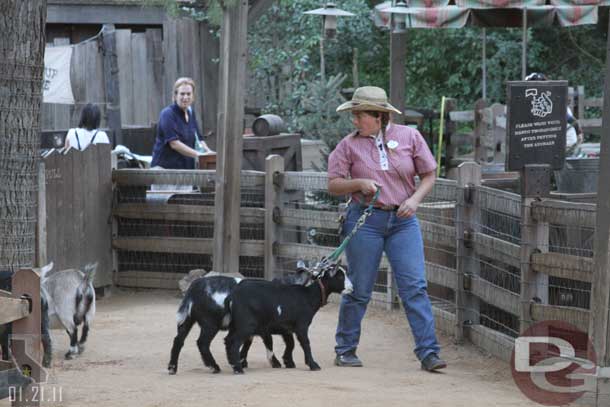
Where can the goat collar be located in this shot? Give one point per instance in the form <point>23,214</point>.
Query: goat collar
<point>322,292</point>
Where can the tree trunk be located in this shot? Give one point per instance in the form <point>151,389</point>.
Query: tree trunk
<point>22,34</point>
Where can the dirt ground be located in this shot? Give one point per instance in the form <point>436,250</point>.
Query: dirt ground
<point>128,350</point>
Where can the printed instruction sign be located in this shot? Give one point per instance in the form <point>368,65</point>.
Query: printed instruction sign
<point>536,123</point>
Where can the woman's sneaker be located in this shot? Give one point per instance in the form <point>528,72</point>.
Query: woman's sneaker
<point>348,359</point>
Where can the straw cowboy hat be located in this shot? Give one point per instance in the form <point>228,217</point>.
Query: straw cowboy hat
<point>369,98</point>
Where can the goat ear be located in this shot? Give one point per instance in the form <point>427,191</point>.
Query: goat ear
<point>46,269</point>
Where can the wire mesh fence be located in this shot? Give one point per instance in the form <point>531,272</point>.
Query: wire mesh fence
<point>308,219</point>
<point>164,231</point>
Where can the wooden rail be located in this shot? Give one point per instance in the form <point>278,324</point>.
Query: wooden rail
<point>564,213</point>
<point>439,229</point>
<point>185,245</point>
<point>185,213</point>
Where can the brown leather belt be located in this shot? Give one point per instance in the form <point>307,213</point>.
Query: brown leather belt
<point>381,207</point>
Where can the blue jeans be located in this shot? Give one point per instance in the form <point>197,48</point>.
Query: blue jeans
<point>402,242</point>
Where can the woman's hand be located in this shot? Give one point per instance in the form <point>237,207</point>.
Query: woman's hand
<point>368,187</point>
<point>407,208</point>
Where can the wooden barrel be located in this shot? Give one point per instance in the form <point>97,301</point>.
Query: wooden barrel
<point>268,125</point>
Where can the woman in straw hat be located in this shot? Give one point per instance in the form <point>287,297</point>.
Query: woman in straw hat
<point>380,154</point>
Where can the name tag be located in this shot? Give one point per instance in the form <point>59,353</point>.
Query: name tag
<point>383,156</point>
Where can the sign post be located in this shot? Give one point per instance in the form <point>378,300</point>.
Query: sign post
<point>536,128</point>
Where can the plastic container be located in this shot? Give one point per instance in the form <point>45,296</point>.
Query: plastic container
<point>578,175</point>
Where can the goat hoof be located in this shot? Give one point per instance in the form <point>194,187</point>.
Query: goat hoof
<point>275,363</point>
<point>314,366</point>
<point>69,356</point>
<point>215,370</point>
<point>244,363</point>
<point>81,348</point>
<point>46,362</point>
<point>238,370</point>
<point>172,369</point>
<point>289,364</point>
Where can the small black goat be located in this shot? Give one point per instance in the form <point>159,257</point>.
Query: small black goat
<point>259,307</point>
<point>204,303</point>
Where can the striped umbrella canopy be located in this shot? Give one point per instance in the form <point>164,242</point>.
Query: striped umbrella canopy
<point>492,13</point>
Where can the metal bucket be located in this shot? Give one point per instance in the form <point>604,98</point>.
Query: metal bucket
<point>578,175</point>
<point>268,125</point>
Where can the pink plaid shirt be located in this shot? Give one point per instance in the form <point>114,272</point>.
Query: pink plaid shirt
<point>358,157</point>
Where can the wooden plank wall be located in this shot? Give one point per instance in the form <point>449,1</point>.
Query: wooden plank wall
<point>141,79</point>
<point>140,60</point>
<point>78,204</point>
<point>183,57</point>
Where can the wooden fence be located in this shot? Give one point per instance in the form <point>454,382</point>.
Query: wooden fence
<point>75,203</point>
<point>21,307</point>
<point>487,137</point>
<point>495,262</point>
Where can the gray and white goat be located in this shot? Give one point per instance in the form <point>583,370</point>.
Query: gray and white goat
<point>71,301</point>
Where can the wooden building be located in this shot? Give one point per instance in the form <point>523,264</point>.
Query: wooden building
<point>152,48</point>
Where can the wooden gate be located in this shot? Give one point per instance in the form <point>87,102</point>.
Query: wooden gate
<point>78,199</point>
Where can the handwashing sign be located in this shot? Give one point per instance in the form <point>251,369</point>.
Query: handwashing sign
<point>536,123</point>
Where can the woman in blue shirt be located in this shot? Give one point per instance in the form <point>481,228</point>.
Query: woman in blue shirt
<point>177,131</point>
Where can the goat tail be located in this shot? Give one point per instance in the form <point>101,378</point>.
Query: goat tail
<point>226,319</point>
<point>89,271</point>
<point>184,311</point>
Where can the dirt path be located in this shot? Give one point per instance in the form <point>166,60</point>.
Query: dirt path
<point>128,350</point>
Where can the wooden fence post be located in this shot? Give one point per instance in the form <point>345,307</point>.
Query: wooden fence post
<point>480,133</point>
<point>468,220</point>
<point>450,145</point>
<point>274,186</point>
<point>398,54</point>
<point>599,320</point>
<point>227,202</point>
<point>41,230</point>
<point>111,83</point>
<point>26,339</point>
<point>535,184</point>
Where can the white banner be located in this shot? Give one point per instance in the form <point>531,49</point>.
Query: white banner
<point>56,84</point>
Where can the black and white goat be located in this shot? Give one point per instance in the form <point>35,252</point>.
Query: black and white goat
<point>5,330</point>
<point>71,301</point>
<point>259,307</point>
<point>204,304</point>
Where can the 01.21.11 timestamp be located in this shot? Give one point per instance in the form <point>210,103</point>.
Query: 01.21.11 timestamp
<point>36,393</point>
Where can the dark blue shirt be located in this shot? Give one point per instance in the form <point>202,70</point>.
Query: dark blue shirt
<point>173,126</point>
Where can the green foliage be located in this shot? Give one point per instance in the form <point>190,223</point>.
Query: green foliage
<point>284,59</point>
<point>200,10</point>
<point>320,119</point>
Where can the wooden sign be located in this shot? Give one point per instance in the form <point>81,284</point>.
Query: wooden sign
<point>536,123</point>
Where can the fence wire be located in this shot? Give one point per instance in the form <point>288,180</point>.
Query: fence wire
<point>309,230</point>
<point>192,234</point>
